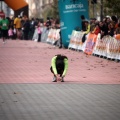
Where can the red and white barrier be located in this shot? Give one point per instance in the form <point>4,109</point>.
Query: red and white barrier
<point>53,35</point>
<point>108,46</point>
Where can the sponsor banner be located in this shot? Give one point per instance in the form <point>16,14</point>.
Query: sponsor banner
<point>73,40</point>
<point>70,13</point>
<point>35,35</point>
<point>81,45</point>
<point>53,35</point>
<point>97,46</point>
<point>113,48</point>
<point>76,40</point>
<point>44,34</point>
<point>108,47</point>
<point>90,43</point>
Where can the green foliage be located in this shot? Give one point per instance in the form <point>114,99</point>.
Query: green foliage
<point>113,7</point>
<point>55,9</point>
<point>48,13</point>
<point>51,10</point>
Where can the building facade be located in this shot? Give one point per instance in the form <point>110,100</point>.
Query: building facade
<point>39,8</point>
<point>5,8</point>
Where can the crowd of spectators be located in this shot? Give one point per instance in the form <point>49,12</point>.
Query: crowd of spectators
<point>110,25</point>
<point>23,28</point>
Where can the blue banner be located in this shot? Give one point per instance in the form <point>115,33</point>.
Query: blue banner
<point>70,17</point>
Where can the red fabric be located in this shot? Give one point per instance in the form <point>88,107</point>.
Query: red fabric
<point>97,31</point>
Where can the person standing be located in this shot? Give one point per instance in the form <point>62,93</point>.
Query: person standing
<point>59,67</point>
<point>83,26</point>
<point>48,23</point>
<point>26,29</point>
<point>57,26</point>
<point>10,33</point>
<point>87,24</point>
<point>18,26</point>
<point>117,32</point>
<point>4,24</point>
<point>32,28</point>
<point>39,30</point>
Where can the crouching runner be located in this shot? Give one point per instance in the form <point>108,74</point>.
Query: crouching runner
<point>59,67</point>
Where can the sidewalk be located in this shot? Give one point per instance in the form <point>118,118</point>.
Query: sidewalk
<point>91,90</point>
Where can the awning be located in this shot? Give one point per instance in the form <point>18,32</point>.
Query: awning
<point>16,4</point>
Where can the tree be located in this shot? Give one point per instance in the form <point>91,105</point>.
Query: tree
<point>55,9</point>
<point>94,1</point>
<point>112,7</point>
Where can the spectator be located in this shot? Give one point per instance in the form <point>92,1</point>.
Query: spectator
<point>57,26</point>
<point>115,21</point>
<point>26,28</point>
<point>39,30</point>
<point>10,33</point>
<point>32,28</point>
<point>83,26</point>
<point>4,24</point>
<point>103,28</point>
<point>18,26</point>
<point>87,25</point>
<point>117,32</point>
<point>96,29</point>
<point>92,23</point>
<point>116,25</point>
<point>48,23</point>
<point>111,29</point>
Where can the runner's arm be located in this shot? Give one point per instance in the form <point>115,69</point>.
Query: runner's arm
<point>53,64</point>
<point>66,67</point>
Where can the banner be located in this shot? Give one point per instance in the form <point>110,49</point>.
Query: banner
<point>76,40</point>
<point>70,17</point>
<point>108,47</point>
<point>53,35</point>
<point>90,43</point>
<point>16,4</point>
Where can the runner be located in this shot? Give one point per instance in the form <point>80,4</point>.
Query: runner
<point>59,67</point>
<point>4,23</point>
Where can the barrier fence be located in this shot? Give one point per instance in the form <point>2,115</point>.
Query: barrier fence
<point>107,47</point>
<point>53,36</point>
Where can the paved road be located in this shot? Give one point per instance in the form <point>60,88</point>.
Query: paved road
<point>29,62</point>
<point>91,90</point>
